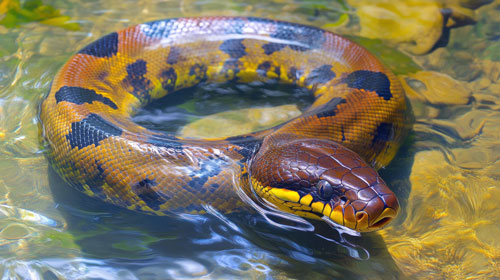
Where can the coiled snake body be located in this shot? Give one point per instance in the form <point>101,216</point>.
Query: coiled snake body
<point>318,164</point>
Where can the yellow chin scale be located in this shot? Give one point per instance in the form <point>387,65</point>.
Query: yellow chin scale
<point>337,215</point>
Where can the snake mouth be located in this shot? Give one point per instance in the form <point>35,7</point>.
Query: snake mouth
<point>381,223</point>
<point>360,221</point>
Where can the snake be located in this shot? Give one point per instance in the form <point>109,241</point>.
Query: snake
<point>322,164</point>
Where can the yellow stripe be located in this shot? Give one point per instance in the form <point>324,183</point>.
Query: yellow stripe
<point>286,195</point>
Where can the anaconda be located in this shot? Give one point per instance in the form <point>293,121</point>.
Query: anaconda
<point>321,163</point>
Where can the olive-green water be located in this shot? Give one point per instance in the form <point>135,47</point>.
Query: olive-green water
<point>447,175</point>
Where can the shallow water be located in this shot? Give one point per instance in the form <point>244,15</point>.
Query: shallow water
<point>446,175</point>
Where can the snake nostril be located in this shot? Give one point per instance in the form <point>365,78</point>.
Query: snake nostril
<point>343,199</point>
<point>360,216</point>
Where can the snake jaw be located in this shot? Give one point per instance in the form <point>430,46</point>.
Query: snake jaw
<point>342,212</point>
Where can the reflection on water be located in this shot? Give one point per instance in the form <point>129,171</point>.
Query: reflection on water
<point>192,112</point>
<point>240,244</point>
<point>446,176</point>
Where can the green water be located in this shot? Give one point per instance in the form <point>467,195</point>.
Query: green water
<point>446,176</point>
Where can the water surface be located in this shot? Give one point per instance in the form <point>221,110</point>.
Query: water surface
<point>446,175</point>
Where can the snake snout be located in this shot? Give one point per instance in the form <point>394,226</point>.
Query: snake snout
<point>365,203</point>
<point>365,209</point>
<point>375,207</point>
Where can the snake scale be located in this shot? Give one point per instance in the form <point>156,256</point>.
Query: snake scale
<point>321,163</point>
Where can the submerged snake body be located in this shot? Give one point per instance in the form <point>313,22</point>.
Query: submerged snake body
<point>304,166</point>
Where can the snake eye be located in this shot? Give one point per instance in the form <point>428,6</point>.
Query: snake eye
<point>325,189</point>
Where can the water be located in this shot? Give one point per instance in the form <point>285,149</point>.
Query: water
<point>176,110</point>
<point>446,175</point>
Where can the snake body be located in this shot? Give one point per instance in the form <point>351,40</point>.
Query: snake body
<point>322,163</point>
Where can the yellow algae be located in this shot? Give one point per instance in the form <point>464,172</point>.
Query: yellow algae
<point>401,22</point>
<point>404,22</point>
<point>14,231</point>
<point>13,13</point>
<point>450,227</point>
<point>481,129</point>
<point>491,69</point>
<point>490,78</point>
<point>242,121</point>
<point>436,88</point>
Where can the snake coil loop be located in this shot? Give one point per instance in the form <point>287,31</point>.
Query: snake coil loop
<point>320,164</point>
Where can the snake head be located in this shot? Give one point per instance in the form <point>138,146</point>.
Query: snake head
<point>316,178</point>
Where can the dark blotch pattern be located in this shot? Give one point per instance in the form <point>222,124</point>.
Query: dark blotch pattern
<point>270,48</point>
<point>78,95</point>
<point>243,139</point>
<point>233,66</point>
<point>370,81</point>
<point>263,68</point>
<point>330,108</point>
<point>90,131</point>
<point>199,71</point>
<point>384,133</point>
<point>168,79</point>
<point>95,183</point>
<point>247,144</point>
<point>294,74</point>
<point>320,75</point>
<point>106,46</point>
<point>141,86</point>
<point>174,55</point>
<point>137,69</point>
<point>144,190</point>
<point>303,38</point>
<point>277,71</point>
<point>234,48</point>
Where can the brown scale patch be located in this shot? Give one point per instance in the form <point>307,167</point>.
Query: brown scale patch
<point>135,82</point>
<point>373,207</point>
<point>349,218</point>
<point>349,180</point>
<point>145,189</point>
<point>199,72</point>
<point>366,194</point>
